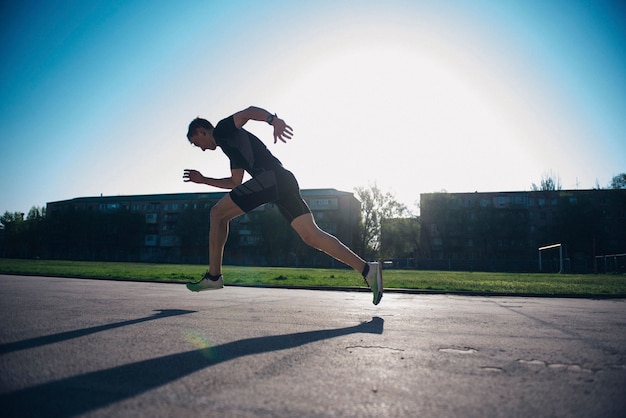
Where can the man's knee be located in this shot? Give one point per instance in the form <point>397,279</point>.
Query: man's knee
<point>310,233</point>
<point>224,211</point>
<point>219,216</point>
<point>216,214</point>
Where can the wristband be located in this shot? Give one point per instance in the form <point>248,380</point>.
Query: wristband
<point>270,118</point>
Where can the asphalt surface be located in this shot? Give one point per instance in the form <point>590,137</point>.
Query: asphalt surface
<point>72,347</point>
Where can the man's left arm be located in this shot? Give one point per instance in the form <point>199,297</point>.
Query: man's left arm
<point>282,131</point>
<point>229,183</point>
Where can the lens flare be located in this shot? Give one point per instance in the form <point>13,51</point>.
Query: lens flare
<point>200,341</point>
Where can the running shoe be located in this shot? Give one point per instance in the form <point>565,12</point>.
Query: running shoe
<point>206,284</point>
<point>374,280</point>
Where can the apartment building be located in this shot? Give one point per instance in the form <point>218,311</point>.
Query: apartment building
<point>503,230</point>
<point>174,228</point>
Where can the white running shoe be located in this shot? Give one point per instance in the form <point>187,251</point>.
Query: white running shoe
<point>374,280</point>
<point>205,283</point>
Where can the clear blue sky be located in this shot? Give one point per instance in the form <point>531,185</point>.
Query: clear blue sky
<point>417,96</point>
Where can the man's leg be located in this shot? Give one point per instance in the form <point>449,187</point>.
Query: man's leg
<point>221,214</point>
<point>312,235</point>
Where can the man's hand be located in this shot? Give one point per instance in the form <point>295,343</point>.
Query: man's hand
<point>282,131</point>
<point>193,176</point>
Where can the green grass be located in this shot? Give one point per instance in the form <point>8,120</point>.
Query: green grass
<point>514,283</point>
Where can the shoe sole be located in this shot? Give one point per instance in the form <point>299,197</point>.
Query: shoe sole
<point>378,294</point>
<point>193,287</point>
<point>204,289</point>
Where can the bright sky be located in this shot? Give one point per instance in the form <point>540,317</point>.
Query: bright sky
<point>416,96</point>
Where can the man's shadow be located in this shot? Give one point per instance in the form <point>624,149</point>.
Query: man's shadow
<point>80,394</point>
<point>64,336</point>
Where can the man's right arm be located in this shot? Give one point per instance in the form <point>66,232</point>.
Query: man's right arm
<point>282,131</point>
<point>251,113</point>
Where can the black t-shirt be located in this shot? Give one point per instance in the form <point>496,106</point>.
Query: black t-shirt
<point>243,148</point>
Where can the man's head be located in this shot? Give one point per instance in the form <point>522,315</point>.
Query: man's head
<point>200,134</point>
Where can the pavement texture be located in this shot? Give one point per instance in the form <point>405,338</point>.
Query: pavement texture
<point>73,347</point>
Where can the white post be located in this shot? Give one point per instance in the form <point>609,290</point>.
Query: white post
<point>547,247</point>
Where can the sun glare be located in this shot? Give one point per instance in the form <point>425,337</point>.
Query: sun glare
<point>405,108</point>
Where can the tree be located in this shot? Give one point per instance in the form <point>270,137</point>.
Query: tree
<point>10,217</point>
<point>399,237</point>
<point>376,206</point>
<point>23,237</point>
<point>618,182</point>
<point>36,213</point>
<point>549,182</point>
<point>13,241</point>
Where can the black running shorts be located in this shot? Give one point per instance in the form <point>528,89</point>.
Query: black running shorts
<point>273,186</point>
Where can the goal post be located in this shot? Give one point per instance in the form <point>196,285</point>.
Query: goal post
<point>550,247</point>
<point>612,263</point>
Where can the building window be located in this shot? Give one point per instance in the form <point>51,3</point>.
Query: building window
<point>150,240</point>
<point>170,241</point>
<point>323,204</point>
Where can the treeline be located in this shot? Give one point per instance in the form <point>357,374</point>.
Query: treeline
<point>77,235</point>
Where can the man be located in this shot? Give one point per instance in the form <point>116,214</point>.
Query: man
<point>270,182</point>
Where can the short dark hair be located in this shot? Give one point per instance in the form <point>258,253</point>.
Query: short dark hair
<point>198,123</point>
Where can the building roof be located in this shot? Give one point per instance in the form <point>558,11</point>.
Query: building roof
<point>184,196</point>
<point>525,192</point>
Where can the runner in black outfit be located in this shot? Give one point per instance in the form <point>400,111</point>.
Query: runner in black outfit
<point>270,182</point>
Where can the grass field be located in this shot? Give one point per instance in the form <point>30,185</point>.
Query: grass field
<point>511,283</point>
